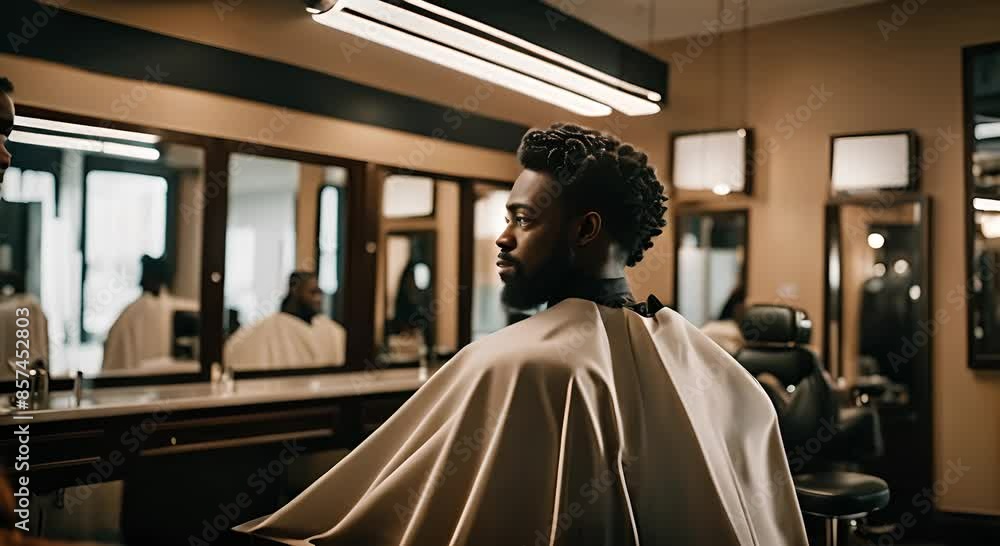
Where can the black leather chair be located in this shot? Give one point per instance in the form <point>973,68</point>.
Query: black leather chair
<point>809,418</point>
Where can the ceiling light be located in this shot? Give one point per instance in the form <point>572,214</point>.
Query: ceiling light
<point>86,145</point>
<point>500,57</point>
<point>879,270</point>
<point>876,240</point>
<point>990,225</point>
<point>88,130</point>
<point>901,267</point>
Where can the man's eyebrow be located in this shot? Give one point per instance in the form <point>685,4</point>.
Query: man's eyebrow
<point>515,207</point>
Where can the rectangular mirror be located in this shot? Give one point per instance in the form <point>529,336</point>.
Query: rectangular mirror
<point>101,242</point>
<point>716,161</point>
<point>876,342</point>
<point>489,213</point>
<point>284,239</point>
<point>417,299</point>
<point>982,99</point>
<point>710,272</point>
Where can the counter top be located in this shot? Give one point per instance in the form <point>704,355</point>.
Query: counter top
<point>110,402</point>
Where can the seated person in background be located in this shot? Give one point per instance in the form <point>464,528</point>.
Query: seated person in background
<point>298,335</point>
<point>726,330</point>
<point>598,421</point>
<point>142,335</point>
<point>16,304</point>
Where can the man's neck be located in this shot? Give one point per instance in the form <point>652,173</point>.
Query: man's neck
<point>610,292</point>
<point>300,312</point>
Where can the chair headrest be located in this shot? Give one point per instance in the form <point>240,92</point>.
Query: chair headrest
<point>763,324</point>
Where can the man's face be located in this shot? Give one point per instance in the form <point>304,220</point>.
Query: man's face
<point>6,126</point>
<point>535,248</point>
<point>309,295</point>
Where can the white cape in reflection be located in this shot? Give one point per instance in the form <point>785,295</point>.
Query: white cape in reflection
<point>581,425</point>
<point>142,335</point>
<point>282,341</point>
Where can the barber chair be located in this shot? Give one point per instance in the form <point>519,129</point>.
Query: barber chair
<point>814,432</point>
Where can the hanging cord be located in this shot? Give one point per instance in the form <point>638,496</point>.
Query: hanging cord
<point>746,63</point>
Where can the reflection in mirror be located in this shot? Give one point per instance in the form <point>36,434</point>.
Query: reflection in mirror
<point>279,311</point>
<point>416,314</point>
<point>876,294</point>
<point>711,270</point>
<point>101,241</point>
<point>984,305</point>
<point>488,313</point>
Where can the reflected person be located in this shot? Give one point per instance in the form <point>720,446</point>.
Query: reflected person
<point>298,335</point>
<point>142,335</point>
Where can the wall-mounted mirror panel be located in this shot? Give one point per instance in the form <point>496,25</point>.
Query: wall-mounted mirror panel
<point>283,295</point>
<point>710,276</point>
<point>877,342</point>
<point>982,77</point>
<point>418,289</point>
<point>101,242</point>
<point>489,213</point>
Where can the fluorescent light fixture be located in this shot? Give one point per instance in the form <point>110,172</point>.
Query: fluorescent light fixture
<point>988,205</point>
<point>86,145</point>
<point>88,130</point>
<point>509,61</point>
<point>872,162</point>
<point>984,131</point>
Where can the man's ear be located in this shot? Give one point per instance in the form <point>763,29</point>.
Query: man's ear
<point>589,228</point>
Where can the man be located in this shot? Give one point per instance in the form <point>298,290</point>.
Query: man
<point>298,335</point>
<point>143,334</point>
<point>598,421</point>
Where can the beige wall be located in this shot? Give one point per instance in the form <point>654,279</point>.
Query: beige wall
<point>912,80</point>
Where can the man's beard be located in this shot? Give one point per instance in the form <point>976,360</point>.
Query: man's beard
<point>523,291</point>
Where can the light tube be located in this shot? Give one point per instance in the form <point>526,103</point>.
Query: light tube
<point>461,62</point>
<point>62,127</point>
<point>86,145</point>
<point>500,54</point>
<point>987,130</point>
<point>986,205</point>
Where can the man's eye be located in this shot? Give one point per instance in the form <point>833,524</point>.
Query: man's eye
<point>521,221</point>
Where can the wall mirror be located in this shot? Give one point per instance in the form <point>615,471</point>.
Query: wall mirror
<point>982,104</point>
<point>709,280</point>
<point>418,289</point>
<point>101,241</point>
<point>283,299</point>
<point>876,343</point>
<point>718,161</point>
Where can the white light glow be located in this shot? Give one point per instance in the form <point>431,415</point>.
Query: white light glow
<point>103,132</point>
<point>879,270</point>
<point>721,189</point>
<point>876,240</point>
<point>990,225</point>
<point>901,266</point>
<point>915,292</point>
<point>984,131</point>
<point>988,205</point>
<point>461,62</point>
<point>96,146</point>
<point>542,52</point>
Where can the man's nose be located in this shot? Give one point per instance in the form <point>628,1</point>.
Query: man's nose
<point>506,241</point>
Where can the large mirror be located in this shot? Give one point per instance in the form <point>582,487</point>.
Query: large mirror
<point>284,239</point>
<point>101,243</point>
<point>418,290</point>
<point>982,73</point>
<point>877,334</point>
<point>710,275</point>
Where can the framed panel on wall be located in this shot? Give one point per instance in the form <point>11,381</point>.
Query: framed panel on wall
<point>718,161</point>
<point>869,162</point>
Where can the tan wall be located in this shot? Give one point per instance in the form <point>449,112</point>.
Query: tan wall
<point>306,207</point>
<point>912,80</point>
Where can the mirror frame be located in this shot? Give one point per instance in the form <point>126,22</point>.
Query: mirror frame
<point>969,54</point>
<point>682,212</point>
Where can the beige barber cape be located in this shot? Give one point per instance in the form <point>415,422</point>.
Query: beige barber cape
<point>583,425</point>
<point>142,335</point>
<point>282,340</point>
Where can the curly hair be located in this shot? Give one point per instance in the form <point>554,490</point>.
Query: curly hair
<point>6,86</point>
<point>597,172</point>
